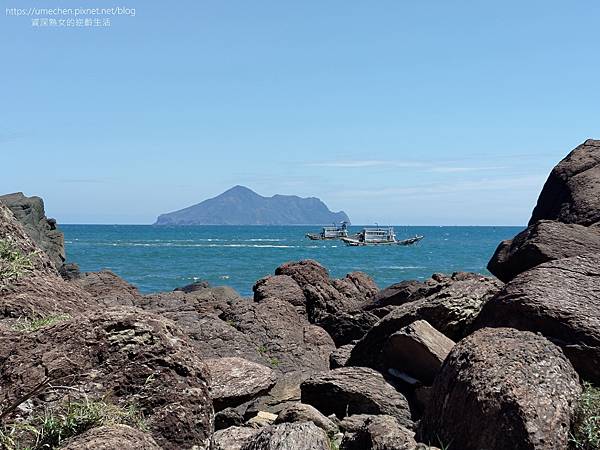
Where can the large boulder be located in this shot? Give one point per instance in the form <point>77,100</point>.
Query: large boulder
<point>234,381</point>
<point>337,305</point>
<point>543,241</point>
<point>112,437</point>
<point>281,335</point>
<point>108,288</point>
<point>502,389</point>
<point>355,390</point>
<point>380,433</point>
<point>29,211</point>
<point>289,436</point>
<point>418,350</point>
<point>572,192</point>
<point>451,309</point>
<point>233,438</point>
<point>200,315</point>
<point>299,412</point>
<point>561,300</point>
<point>30,286</point>
<point>282,287</point>
<point>123,357</point>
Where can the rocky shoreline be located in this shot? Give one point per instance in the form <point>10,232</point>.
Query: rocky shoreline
<point>461,361</point>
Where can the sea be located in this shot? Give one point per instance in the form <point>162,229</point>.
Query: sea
<point>163,258</point>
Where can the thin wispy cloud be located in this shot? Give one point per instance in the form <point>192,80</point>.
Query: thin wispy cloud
<point>464,169</point>
<point>359,164</point>
<point>85,180</point>
<point>491,184</point>
<point>418,165</point>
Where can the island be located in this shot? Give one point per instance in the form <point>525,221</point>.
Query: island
<point>242,206</point>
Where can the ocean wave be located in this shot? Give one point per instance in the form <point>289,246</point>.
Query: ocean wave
<point>171,244</point>
<point>402,267</point>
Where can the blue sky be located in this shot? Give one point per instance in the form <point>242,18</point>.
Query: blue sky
<point>420,112</point>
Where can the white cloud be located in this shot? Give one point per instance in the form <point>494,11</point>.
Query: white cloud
<point>485,184</point>
<point>394,164</point>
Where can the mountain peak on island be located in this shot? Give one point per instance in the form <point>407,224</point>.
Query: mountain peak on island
<point>240,205</point>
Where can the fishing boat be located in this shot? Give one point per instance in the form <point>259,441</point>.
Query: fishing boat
<point>330,233</point>
<point>378,236</point>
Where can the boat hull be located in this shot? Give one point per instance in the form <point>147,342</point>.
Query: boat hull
<point>356,243</point>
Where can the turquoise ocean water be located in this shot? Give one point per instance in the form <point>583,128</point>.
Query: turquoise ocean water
<point>162,258</point>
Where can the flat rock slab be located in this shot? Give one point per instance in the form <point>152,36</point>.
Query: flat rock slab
<point>452,309</point>
<point>502,389</point>
<point>233,438</point>
<point>236,380</point>
<point>418,350</point>
<point>289,436</point>
<point>300,412</point>
<point>561,300</point>
<point>112,437</point>
<point>355,390</point>
<point>541,242</point>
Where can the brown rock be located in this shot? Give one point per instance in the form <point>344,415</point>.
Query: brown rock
<point>108,288</point>
<point>561,300</point>
<point>233,438</point>
<point>112,437</point>
<point>502,389</point>
<point>122,356</point>
<point>380,433</point>
<point>339,357</point>
<point>336,305</point>
<point>355,390</point>
<point>289,436</point>
<point>541,242</point>
<point>451,310</point>
<point>38,291</point>
<point>236,380</point>
<point>418,350</point>
<point>299,412</point>
<point>282,287</point>
<point>572,192</point>
<point>281,335</point>
<point>29,211</point>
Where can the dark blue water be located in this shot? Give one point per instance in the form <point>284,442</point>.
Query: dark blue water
<point>162,258</point>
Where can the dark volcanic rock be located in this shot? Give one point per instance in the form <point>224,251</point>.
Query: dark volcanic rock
<point>39,291</point>
<point>70,271</point>
<point>561,300</point>
<point>418,350</point>
<point>194,287</point>
<point>112,437</point>
<point>404,292</point>
<point>241,206</point>
<point>451,310</point>
<point>281,335</point>
<point>29,211</point>
<point>380,433</point>
<point>108,288</point>
<point>502,389</point>
<point>289,436</point>
<point>236,380</point>
<point>123,356</point>
<point>339,357</point>
<point>541,242</point>
<point>337,305</point>
<point>233,438</point>
<point>355,390</point>
<point>572,192</point>
<point>281,287</point>
<point>299,412</point>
